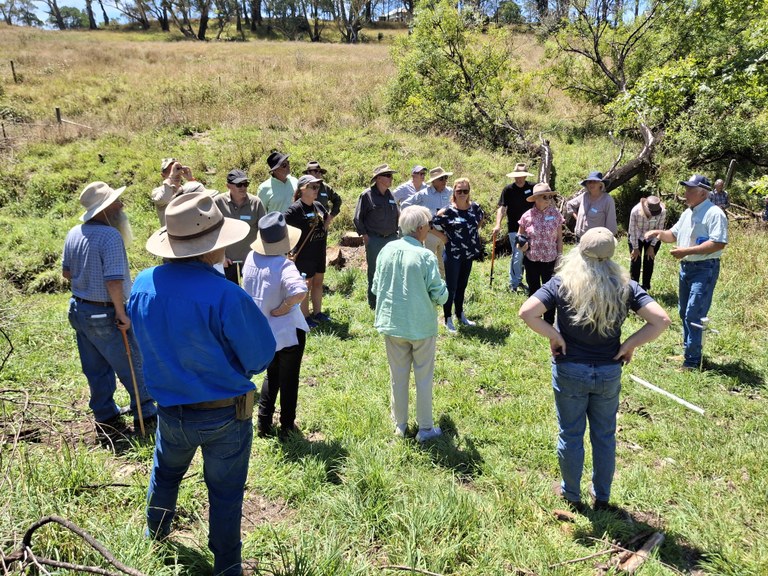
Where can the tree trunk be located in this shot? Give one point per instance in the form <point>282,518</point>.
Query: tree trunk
<point>203,28</point>
<point>165,25</point>
<point>89,11</point>
<point>244,12</point>
<point>639,163</point>
<point>104,13</point>
<point>255,14</point>
<point>56,13</point>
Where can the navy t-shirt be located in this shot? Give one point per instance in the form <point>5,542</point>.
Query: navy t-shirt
<point>583,345</point>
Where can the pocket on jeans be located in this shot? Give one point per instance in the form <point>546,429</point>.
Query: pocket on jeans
<point>226,438</point>
<point>101,324</point>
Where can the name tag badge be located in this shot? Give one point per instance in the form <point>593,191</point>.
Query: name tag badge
<point>392,202</point>
<point>310,214</point>
<point>459,220</point>
<point>98,315</point>
<point>549,218</point>
<point>244,217</point>
<point>593,210</point>
<point>324,195</point>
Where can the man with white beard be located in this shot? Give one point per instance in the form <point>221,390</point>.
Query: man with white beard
<point>96,264</point>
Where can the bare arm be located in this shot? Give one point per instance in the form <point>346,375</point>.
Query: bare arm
<point>288,303</point>
<point>500,213</point>
<point>115,290</point>
<point>704,248</point>
<point>656,321</point>
<point>531,313</point>
<point>663,235</point>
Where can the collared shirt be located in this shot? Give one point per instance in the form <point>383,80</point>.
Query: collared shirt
<point>431,199</point>
<point>376,213</point>
<point>462,229</point>
<point>161,196</point>
<point>276,195</point>
<point>329,199</point>
<point>407,286</point>
<point>515,200</point>
<point>541,228</point>
<point>593,213</point>
<point>269,280</point>
<point>406,190</point>
<point>93,254</point>
<point>720,199</point>
<point>639,224</point>
<point>703,222</point>
<point>201,336</point>
<point>250,212</point>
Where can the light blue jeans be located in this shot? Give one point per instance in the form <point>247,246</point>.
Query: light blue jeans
<point>586,392</point>
<point>515,263</point>
<point>696,287</point>
<point>226,445</point>
<point>102,355</point>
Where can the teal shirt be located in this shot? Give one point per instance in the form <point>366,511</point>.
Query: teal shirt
<point>275,195</point>
<point>703,222</point>
<point>407,286</point>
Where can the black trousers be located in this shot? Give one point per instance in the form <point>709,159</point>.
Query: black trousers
<point>537,274</point>
<point>647,264</point>
<point>282,378</point>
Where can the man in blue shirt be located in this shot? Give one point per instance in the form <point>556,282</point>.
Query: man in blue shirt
<point>204,339</point>
<point>701,235</point>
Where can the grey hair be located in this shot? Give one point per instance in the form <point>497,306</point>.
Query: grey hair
<point>412,218</point>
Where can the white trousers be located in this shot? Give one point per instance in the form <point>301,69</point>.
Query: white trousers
<point>401,354</point>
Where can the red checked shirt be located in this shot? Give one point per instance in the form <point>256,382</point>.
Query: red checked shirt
<point>541,229</point>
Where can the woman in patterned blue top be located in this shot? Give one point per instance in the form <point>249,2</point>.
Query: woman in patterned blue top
<point>461,222</point>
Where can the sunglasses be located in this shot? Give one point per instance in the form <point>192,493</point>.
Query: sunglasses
<point>463,191</point>
<point>242,185</point>
<point>443,178</point>
<point>546,197</point>
<point>386,175</point>
<point>312,186</point>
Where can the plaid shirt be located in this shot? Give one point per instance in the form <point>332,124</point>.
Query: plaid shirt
<point>639,225</point>
<point>719,199</point>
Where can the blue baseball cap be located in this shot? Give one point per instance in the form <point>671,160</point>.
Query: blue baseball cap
<point>697,181</point>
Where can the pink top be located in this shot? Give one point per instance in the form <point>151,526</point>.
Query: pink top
<point>541,228</point>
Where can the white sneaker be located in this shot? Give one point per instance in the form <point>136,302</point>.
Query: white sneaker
<point>400,430</point>
<point>428,434</point>
<point>466,321</point>
<point>449,326</point>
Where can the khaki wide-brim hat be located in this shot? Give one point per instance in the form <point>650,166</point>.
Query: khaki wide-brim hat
<point>541,189</point>
<point>436,173</point>
<point>97,196</point>
<point>598,243</point>
<point>276,237</point>
<point>194,226</point>
<point>520,171</point>
<point>381,169</point>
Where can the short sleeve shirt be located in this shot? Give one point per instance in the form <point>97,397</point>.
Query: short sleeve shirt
<point>514,199</point>
<point>541,228</point>
<point>703,222</point>
<point>462,228</point>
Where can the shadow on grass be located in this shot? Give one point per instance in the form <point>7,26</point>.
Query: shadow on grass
<point>490,334</point>
<point>189,561</point>
<point>631,529</point>
<point>737,369</point>
<point>333,328</point>
<point>331,454</point>
<point>667,300</point>
<point>454,453</point>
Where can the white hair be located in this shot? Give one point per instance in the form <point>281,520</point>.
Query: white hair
<point>412,218</point>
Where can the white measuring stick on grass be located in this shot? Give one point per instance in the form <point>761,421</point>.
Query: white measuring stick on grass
<point>667,394</point>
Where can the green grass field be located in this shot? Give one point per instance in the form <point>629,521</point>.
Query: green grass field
<point>348,498</point>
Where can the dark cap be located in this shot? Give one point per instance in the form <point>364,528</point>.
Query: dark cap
<point>275,159</point>
<point>697,181</point>
<point>236,176</point>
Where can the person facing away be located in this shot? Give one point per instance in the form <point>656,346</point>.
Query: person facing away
<point>592,296</point>
<point>205,339</point>
<point>96,264</point>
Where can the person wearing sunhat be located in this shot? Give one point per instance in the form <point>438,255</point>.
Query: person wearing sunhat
<point>205,339</point>
<point>436,197</point>
<point>700,235</point>
<point>309,216</point>
<point>276,192</point>
<point>648,214</point>
<point>375,219</point>
<point>410,187</point>
<point>542,229</point>
<point>593,296</point>
<point>594,207</point>
<point>172,172</point>
<point>96,264</point>
<point>513,203</point>
<point>330,200</point>
<point>240,205</point>
<point>277,288</point>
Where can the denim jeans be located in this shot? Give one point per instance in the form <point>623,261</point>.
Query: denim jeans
<point>457,273</point>
<point>226,445</point>
<point>586,392</point>
<point>372,249</point>
<point>696,286</point>
<point>515,262</point>
<point>102,355</point>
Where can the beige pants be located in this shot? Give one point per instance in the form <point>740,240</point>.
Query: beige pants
<point>401,354</point>
<point>436,245</point>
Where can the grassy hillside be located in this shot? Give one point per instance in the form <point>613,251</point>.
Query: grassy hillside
<point>348,498</point>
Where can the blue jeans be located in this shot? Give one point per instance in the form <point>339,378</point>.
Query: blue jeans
<point>515,262</point>
<point>696,286</point>
<point>102,355</point>
<point>586,392</point>
<point>226,446</point>
<point>456,279</point>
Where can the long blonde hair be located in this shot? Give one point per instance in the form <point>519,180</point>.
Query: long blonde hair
<point>596,291</point>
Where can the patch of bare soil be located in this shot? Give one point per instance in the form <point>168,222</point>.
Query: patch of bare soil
<point>259,510</point>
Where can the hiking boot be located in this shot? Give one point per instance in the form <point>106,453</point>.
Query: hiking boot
<point>310,322</point>
<point>575,505</point>
<point>400,430</point>
<point>428,434</point>
<point>320,317</point>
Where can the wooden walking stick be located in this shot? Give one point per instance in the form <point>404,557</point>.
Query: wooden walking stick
<point>493,256</point>
<point>133,377</point>
<point>295,255</point>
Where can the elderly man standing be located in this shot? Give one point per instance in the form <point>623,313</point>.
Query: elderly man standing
<point>172,172</point>
<point>648,214</point>
<point>513,203</point>
<point>408,286</point>
<point>718,196</point>
<point>95,262</point>
<point>240,205</point>
<point>276,192</point>
<point>375,220</point>
<point>410,187</point>
<point>436,197</point>
<point>326,195</point>
<point>701,235</point>
<point>201,381</point>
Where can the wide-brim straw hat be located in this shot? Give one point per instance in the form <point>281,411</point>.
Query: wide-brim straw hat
<point>381,169</point>
<point>436,173</point>
<point>276,237</point>
<point>194,226</point>
<point>541,189</point>
<point>520,171</point>
<point>97,196</point>
<point>598,243</point>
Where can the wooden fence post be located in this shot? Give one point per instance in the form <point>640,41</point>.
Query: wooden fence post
<point>13,71</point>
<point>58,115</point>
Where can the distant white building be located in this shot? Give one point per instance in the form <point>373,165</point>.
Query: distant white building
<point>398,15</point>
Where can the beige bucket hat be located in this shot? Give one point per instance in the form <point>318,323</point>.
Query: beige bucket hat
<point>436,173</point>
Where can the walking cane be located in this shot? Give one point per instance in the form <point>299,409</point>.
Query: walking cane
<point>704,327</point>
<point>133,377</point>
<point>493,256</point>
<point>237,264</point>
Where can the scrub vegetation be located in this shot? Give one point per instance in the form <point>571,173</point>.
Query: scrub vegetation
<point>347,498</point>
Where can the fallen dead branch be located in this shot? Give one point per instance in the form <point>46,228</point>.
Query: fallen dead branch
<point>635,560</point>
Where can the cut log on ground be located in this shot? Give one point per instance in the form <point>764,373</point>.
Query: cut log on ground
<point>351,239</point>
<point>631,564</point>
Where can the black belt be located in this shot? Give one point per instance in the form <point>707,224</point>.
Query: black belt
<point>223,403</point>
<point>384,237</point>
<point>84,301</point>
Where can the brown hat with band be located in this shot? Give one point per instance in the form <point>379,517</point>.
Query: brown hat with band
<point>651,206</point>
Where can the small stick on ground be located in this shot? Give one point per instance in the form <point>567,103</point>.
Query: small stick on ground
<point>633,562</point>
